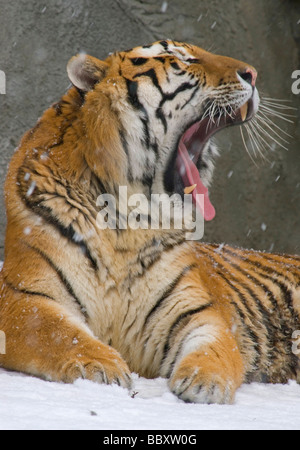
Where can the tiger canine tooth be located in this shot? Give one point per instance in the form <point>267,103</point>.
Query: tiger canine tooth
<point>190,189</point>
<point>244,111</point>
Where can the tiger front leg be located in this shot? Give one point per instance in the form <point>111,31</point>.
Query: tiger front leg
<point>44,339</point>
<point>207,367</point>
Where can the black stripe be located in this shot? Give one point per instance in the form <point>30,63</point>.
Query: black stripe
<point>126,149</point>
<point>260,307</point>
<point>66,231</point>
<point>287,296</point>
<point>253,339</point>
<point>60,140</point>
<point>160,59</point>
<point>98,184</point>
<point>34,203</point>
<point>82,95</point>
<point>250,332</point>
<point>154,147</point>
<point>169,97</point>
<point>147,180</point>
<point>269,275</point>
<point>152,75</point>
<point>240,294</point>
<point>132,88</point>
<point>139,61</point>
<point>161,116</point>
<point>166,96</point>
<point>265,313</point>
<point>274,332</point>
<point>243,300</point>
<point>182,88</point>
<point>175,65</point>
<point>212,255</point>
<point>286,260</point>
<point>256,281</point>
<point>47,214</point>
<point>193,61</point>
<point>58,108</point>
<point>191,97</point>
<point>26,291</point>
<point>154,249</point>
<point>185,315</point>
<point>62,278</point>
<point>165,45</point>
<point>279,327</point>
<point>168,292</point>
<point>171,367</point>
<point>270,270</point>
<point>270,328</point>
<point>145,122</point>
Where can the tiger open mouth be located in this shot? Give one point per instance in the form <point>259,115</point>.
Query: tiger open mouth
<point>186,166</point>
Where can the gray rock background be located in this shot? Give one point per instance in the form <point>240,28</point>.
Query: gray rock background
<point>257,205</point>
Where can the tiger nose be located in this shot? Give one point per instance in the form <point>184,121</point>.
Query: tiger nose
<point>249,75</point>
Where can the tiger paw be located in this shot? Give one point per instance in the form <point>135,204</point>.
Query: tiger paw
<point>113,370</point>
<point>207,381</point>
<point>196,388</point>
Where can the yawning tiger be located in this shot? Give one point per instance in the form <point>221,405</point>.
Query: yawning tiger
<point>78,301</point>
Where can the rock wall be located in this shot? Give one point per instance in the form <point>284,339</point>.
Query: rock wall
<point>257,202</point>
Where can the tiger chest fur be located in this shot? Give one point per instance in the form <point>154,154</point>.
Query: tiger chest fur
<point>79,300</point>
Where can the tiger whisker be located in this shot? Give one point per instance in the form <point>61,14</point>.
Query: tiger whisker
<point>257,139</point>
<point>273,111</point>
<point>267,133</point>
<point>271,108</point>
<point>261,131</point>
<point>246,146</point>
<point>222,111</point>
<point>274,104</point>
<point>275,100</point>
<point>250,134</point>
<point>277,114</point>
<point>268,125</point>
<point>270,136</point>
<point>272,123</point>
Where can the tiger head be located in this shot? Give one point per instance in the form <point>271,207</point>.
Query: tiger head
<point>166,101</point>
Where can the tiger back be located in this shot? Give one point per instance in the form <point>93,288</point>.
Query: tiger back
<point>80,300</point>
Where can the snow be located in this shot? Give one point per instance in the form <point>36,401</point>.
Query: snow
<point>164,7</point>
<point>30,403</point>
<point>263,227</point>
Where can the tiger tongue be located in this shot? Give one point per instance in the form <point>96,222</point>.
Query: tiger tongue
<point>190,176</point>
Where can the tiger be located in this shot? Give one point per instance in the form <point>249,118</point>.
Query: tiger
<point>79,301</point>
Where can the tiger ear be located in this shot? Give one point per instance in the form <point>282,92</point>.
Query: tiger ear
<point>85,71</point>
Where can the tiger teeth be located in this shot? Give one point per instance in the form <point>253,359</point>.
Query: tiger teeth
<point>190,189</point>
<point>244,111</point>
